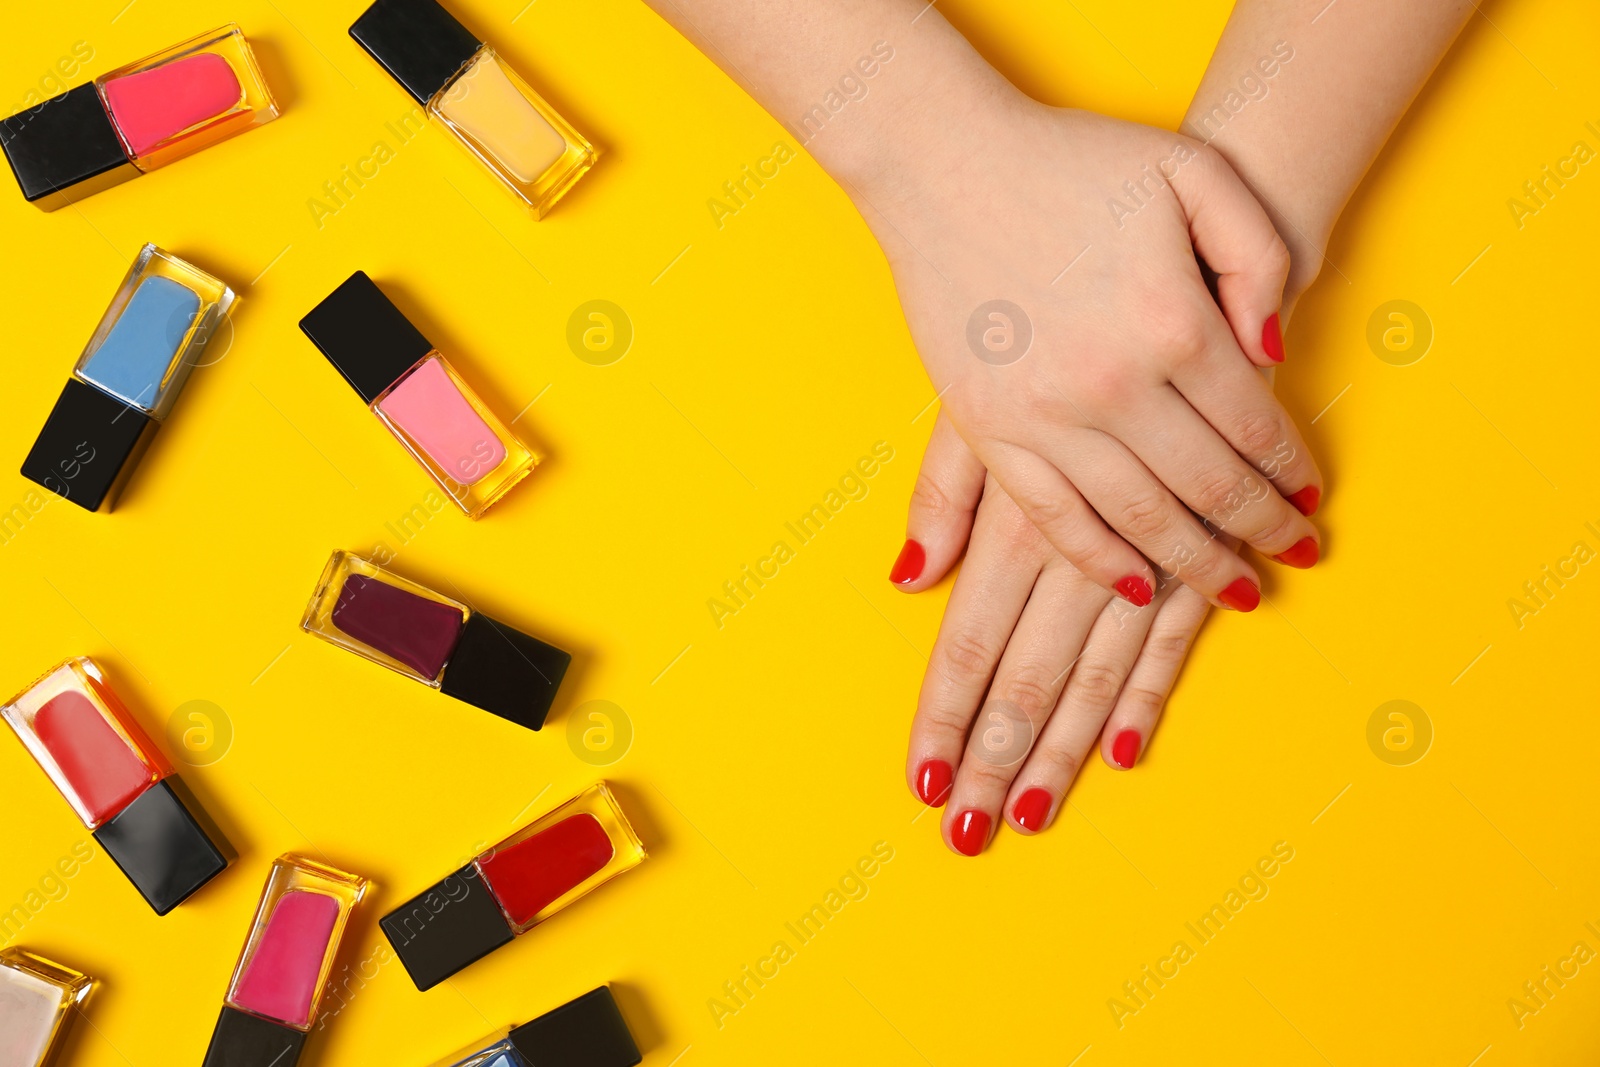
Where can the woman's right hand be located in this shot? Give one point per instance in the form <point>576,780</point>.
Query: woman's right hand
<point>1076,346</point>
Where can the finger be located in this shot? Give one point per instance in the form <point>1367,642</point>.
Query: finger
<point>1238,403</point>
<point>1090,694</point>
<point>1127,732</point>
<point>1075,529</point>
<point>943,504</point>
<point>1203,470</point>
<point>1238,241</point>
<point>1143,510</point>
<point>1047,640</point>
<point>1006,556</point>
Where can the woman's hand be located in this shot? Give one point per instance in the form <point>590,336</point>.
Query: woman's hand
<point>1130,400</point>
<point>1054,661</point>
<point>1046,262</point>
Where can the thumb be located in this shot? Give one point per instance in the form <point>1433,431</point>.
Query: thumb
<point>1234,235</point>
<point>943,503</point>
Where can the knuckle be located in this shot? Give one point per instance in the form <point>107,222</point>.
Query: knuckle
<point>1181,335</point>
<point>1053,512</point>
<point>1101,563</point>
<point>1060,764</point>
<point>1205,567</point>
<point>1146,519</point>
<point>1144,701</point>
<point>931,499</point>
<point>1275,257</point>
<point>967,658</point>
<point>987,777</point>
<point>1166,649</point>
<point>1106,387</point>
<point>1258,433</point>
<point>1032,689</point>
<point>945,720</point>
<point>1298,468</point>
<point>1096,685</point>
<point>1295,469</point>
<point>1279,530</point>
<point>1219,494</point>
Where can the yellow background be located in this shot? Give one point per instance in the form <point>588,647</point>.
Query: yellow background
<point>767,756</point>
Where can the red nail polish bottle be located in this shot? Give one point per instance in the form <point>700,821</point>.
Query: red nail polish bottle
<point>514,886</point>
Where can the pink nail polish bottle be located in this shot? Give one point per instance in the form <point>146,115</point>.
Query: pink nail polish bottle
<point>413,390</point>
<point>283,970</point>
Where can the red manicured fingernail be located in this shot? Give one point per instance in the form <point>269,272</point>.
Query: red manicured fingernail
<point>1272,338</point>
<point>1242,595</point>
<point>1125,747</point>
<point>1032,809</point>
<point>1135,590</point>
<point>933,782</point>
<point>908,565</point>
<point>970,832</point>
<point>1306,500</point>
<point>1303,553</point>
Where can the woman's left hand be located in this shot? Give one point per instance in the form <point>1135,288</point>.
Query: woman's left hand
<point>1033,661</point>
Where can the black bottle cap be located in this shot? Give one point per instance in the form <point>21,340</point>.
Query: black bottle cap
<point>89,446</point>
<point>587,1032</point>
<point>161,847</point>
<point>245,1040</point>
<point>419,43</point>
<point>364,336</point>
<point>447,926</point>
<point>65,149</point>
<point>504,671</point>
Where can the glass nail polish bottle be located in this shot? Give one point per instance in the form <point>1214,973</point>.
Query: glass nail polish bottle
<point>278,983</point>
<point>415,392</point>
<point>514,886</point>
<point>137,118</point>
<point>127,379</point>
<point>119,783</point>
<point>587,1032</point>
<point>435,640</point>
<point>37,997</point>
<point>461,82</point>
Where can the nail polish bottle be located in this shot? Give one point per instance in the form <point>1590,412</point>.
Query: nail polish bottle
<point>415,392</point>
<point>438,641</point>
<point>37,997</point>
<point>460,81</point>
<point>137,118</point>
<point>278,983</point>
<point>119,783</point>
<point>586,1032</point>
<point>513,886</point>
<point>127,379</point>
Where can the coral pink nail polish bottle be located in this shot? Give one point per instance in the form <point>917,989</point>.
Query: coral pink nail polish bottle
<point>137,118</point>
<point>122,787</point>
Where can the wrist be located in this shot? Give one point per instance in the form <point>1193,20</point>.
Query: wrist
<point>914,130</point>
